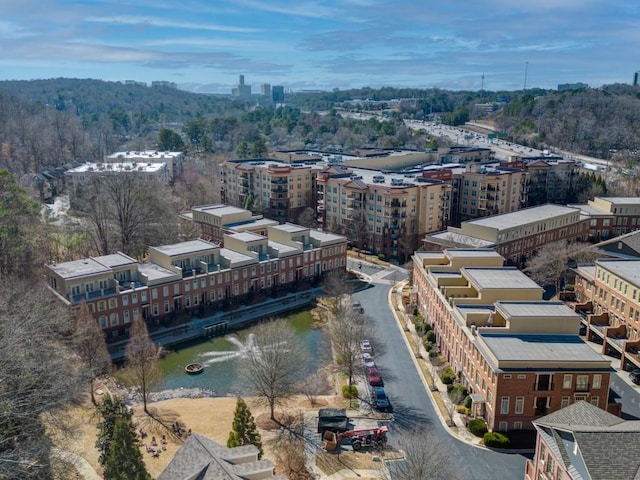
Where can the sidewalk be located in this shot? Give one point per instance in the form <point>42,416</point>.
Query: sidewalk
<point>453,422</point>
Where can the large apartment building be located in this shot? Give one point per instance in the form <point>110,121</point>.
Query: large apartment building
<point>611,216</point>
<point>521,357</point>
<point>608,297</point>
<point>173,160</point>
<point>515,235</point>
<point>384,213</point>
<point>486,190</point>
<point>280,190</point>
<point>186,276</point>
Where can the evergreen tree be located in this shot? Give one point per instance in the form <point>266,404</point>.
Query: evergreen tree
<point>124,461</point>
<point>244,430</point>
<point>111,409</point>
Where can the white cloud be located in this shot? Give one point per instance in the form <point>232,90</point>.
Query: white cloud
<point>164,23</point>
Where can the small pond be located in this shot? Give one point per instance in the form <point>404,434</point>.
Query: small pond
<point>221,357</point>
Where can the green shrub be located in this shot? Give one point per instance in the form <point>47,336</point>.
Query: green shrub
<point>448,376</point>
<point>462,409</point>
<point>427,327</point>
<point>428,346</point>
<point>381,256</point>
<point>478,427</point>
<point>415,311</point>
<point>496,440</point>
<point>339,359</point>
<point>349,391</point>
<point>457,393</point>
<point>431,336</point>
<point>468,401</point>
<point>569,287</point>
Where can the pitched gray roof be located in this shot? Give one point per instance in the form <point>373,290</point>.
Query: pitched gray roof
<point>200,458</point>
<point>577,414</point>
<point>584,437</point>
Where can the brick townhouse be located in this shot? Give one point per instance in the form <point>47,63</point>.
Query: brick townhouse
<point>521,357</point>
<point>187,276</point>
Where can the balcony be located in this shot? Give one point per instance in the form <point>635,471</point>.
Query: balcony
<point>279,189</point>
<point>279,181</point>
<point>81,297</point>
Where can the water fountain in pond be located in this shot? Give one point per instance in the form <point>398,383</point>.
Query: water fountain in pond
<point>242,351</point>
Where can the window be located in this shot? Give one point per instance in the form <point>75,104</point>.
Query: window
<point>503,426</point>
<point>113,320</point>
<point>519,405</point>
<point>143,296</point>
<point>507,376</point>
<point>165,291</point>
<point>187,287</point>
<point>564,402</point>
<point>568,381</point>
<point>582,383</point>
<point>166,306</point>
<point>103,321</point>
<point>597,381</point>
<point>113,303</point>
<point>125,300</point>
<point>101,306</point>
<point>125,316</point>
<point>522,376</point>
<point>154,293</point>
<point>134,298</point>
<point>504,405</point>
<point>595,400</point>
<point>155,309</point>
<point>579,397</point>
<point>517,425</point>
<point>135,313</point>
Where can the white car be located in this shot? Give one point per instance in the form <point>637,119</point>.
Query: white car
<point>365,346</point>
<point>367,360</point>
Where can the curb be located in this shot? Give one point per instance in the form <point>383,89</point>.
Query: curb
<point>431,396</point>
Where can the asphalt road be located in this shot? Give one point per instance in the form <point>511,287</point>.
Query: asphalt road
<point>410,400</point>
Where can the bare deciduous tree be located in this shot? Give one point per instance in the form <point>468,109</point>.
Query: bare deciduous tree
<point>549,264</point>
<point>424,459</point>
<point>347,329</point>
<point>142,361</point>
<point>273,367</point>
<point>336,285</point>
<point>38,378</point>
<point>90,346</point>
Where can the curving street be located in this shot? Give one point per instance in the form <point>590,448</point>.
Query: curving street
<point>411,402</point>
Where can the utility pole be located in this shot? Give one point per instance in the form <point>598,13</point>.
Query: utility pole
<point>526,67</point>
<point>482,87</point>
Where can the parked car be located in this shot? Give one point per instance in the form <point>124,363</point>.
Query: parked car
<point>357,306</point>
<point>380,400</point>
<point>365,346</point>
<point>634,375</point>
<point>375,380</point>
<point>367,360</point>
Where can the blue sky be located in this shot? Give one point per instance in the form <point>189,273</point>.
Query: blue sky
<point>323,44</point>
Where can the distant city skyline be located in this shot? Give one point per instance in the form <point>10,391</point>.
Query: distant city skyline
<point>323,44</point>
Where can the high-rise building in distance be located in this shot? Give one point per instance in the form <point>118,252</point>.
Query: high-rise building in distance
<point>265,89</point>
<point>242,90</point>
<point>277,93</point>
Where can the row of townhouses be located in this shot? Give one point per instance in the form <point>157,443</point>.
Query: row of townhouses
<point>186,276</point>
<point>520,356</point>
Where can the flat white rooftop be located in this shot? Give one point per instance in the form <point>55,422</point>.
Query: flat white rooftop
<point>326,237</point>
<point>541,348</point>
<point>183,248</point>
<point>500,278</point>
<point>291,228</point>
<point>119,167</point>
<point>79,268</point>
<point>219,209</point>
<point>150,154</point>
<point>472,253</point>
<point>622,200</point>
<point>155,272</point>
<point>626,269</point>
<point>116,260</point>
<point>248,236</point>
<point>522,217</point>
<point>540,308</point>
<point>459,239</point>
